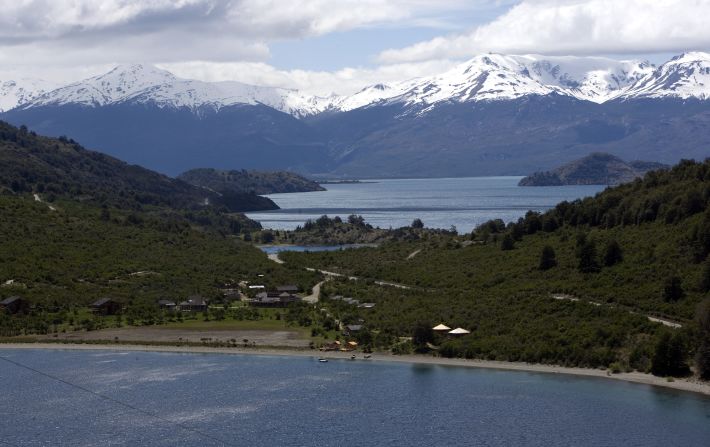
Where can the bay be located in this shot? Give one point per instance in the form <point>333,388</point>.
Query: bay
<point>114,398</point>
<point>439,203</point>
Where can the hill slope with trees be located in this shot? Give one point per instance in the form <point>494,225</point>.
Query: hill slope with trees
<point>257,182</point>
<point>595,169</point>
<point>62,167</point>
<point>575,285</point>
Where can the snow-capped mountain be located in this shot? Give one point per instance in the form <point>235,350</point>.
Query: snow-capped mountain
<point>491,115</point>
<point>488,77</point>
<point>685,76</point>
<point>493,77</point>
<point>139,83</point>
<point>22,91</point>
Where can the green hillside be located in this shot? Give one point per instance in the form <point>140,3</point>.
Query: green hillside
<point>72,256</point>
<point>77,225</point>
<point>60,167</point>
<point>631,252</point>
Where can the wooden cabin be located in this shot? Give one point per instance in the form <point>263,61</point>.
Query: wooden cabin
<point>166,304</point>
<point>194,303</point>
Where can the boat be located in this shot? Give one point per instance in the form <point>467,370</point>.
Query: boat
<point>322,360</point>
<point>352,357</point>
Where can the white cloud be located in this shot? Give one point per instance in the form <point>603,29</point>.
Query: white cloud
<point>42,33</point>
<point>35,20</point>
<point>65,40</point>
<point>575,27</point>
<point>322,83</point>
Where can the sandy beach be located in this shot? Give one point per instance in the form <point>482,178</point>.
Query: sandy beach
<point>680,384</point>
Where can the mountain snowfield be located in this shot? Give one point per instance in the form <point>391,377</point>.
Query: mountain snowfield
<point>22,91</point>
<point>685,76</point>
<point>494,77</point>
<point>139,83</point>
<point>488,77</point>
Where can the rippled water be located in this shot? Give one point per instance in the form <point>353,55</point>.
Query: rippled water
<point>440,203</point>
<point>167,399</point>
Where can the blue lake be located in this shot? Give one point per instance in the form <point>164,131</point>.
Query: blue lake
<point>166,399</point>
<point>273,249</point>
<point>439,203</point>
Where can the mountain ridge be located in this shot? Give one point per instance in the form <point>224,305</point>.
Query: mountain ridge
<point>483,77</point>
<point>491,115</point>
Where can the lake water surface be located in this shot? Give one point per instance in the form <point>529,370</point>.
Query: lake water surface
<point>440,203</point>
<point>167,399</point>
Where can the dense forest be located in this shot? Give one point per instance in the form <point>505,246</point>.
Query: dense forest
<point>244,181</point>
<point>574,285</point>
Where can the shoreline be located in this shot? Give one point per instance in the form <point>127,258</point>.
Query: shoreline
<point>678,384</point>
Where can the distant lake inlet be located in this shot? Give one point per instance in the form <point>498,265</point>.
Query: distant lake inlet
<point>439,203</point>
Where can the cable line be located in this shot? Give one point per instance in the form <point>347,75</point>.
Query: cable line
<point>117,402</point>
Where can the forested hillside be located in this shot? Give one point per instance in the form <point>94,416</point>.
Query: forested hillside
<point>595,169</point>
<point>575,285</point>
<point>73,255</point>
<point>256,182</point>
<point>62,167</point>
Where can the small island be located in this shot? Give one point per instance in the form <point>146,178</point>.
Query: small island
<point>598,168</point>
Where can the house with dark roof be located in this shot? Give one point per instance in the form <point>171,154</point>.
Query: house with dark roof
<point>14,305</point>
<point>166,304</point>
<point>194,303</point>
<point>105,306</point>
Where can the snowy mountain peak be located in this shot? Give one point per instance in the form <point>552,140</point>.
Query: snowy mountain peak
<point>146,84</point>
<point>492,76</point>
<point>685,76</point>
<point>133,76</point>
<point>486,77</point>
<point>690,57</point>
<point>122,82</point>
<point>15,93</point>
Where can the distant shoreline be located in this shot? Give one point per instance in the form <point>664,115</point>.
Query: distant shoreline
<point>678,384</point>
<point>344,182</point>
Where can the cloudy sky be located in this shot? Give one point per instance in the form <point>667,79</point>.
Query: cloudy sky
<point>324,46</point>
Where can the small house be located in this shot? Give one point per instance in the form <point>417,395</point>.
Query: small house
<point>166,304</point>
<point>105,306</point>
<point>14,304</point>
<point>194,303</point>
<point>274,299</point>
